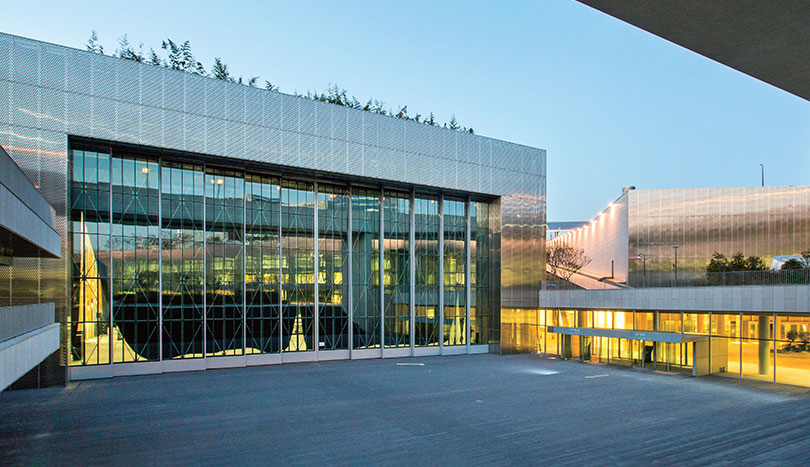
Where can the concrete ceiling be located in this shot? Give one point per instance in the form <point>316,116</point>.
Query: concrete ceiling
<point>766,39</point>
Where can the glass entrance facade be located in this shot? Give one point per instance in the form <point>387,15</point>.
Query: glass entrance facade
<point>771,347</point>
<point>180,260</point>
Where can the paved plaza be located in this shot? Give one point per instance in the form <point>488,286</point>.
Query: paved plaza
<point>480,409</point>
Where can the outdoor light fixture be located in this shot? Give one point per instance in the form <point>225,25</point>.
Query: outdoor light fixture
<point>145,170</point>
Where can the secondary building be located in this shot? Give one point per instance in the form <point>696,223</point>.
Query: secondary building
<point>646,299</point>
<point>208,224</point>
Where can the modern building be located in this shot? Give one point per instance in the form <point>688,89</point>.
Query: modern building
<point>639,238</point>
<point>208,224</point>
<point>28,331</point>
<point>638,304</point>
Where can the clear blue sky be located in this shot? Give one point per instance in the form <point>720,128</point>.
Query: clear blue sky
<point>613,105</point>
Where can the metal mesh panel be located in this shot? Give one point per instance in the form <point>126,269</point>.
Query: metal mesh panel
<point>173,91</point>
<point>127,121</point>
<point>271,110</point>
<point>5,58</point>
<point>127,81</point>
<point>25,62</point>
<point>103,118</point>
<point>253,106</point>
<point>235,139</point>
<point>194,95</point>
<point>52,67</point>
<point>103,76</point>
<point>5,102</point>
<point>195,132</point>
<point>214,136</point>
<point>214,99</point>
<point>24,105</point>
<point>235,103</point>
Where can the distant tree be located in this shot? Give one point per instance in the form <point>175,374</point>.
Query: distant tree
<point>93,45</point>
<point>154,58</point>
<point>718,263</point>
<point>220,70</point>
<point>754,263</point>
<point>564,260</point>
<point>792,263</point>
<point>126,51</point>
<point>181,58</point>
<point>738,262</point>
<point>453,125</point>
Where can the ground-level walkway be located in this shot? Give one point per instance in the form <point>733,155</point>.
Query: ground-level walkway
<point>479,409</point>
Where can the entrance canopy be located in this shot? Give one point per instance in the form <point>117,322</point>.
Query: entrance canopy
<point>653,336</point>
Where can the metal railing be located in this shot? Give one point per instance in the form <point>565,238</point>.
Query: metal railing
<point>658,279</point>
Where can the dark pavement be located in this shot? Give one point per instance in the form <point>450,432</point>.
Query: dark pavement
<point>482,409</point>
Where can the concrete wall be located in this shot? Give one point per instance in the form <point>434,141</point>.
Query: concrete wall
<point>604,241</point>
<point>753,298</point>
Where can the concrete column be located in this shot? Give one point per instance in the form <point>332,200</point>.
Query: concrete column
<point>764,335</point>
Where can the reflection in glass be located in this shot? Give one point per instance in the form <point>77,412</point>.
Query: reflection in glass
<point>480,265</point>
<point>182,260</point>
<point>297,265</point>
<point>224,210</point>
<point>426,255</point>
<point>262,267</point>
<point>88,323</point>
<point>333,227</point>
<point>365,268</point>
<point>396,269</point>
<point>136,253</point>
<point>455,233</point>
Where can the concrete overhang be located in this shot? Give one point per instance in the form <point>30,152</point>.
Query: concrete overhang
<point>26,218</point>
<point>744,299</point>
<point>767,40</point>
<point>652,336</point>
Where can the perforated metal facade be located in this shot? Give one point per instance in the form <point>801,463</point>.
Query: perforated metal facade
<point>49,93</point>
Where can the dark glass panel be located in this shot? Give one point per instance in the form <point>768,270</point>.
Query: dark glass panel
<point>455,237</point>
<point>224,306</point>
<point>297,266</point>
<point>136,259</point>
<point>396,272</point>
<point>426,255</point>
<point>89,319</point>
<point>365,268</point>
<point>182,260</point>
<point>262,266</point>
<point>333,274</point>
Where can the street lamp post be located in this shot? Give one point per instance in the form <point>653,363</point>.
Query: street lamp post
<point>643,258</point>
<point>675,247</point>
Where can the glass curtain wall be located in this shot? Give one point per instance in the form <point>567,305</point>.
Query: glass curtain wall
<point>455,233</point>
<point>365,268</point>
<point>333,263</point>
<point>224,268</point>
<point>426,255</point>
<point>396,269</point>
<point>480,266</point>
<point>136,258</point>
<point>182,237</point>
<point>297,265</point>
<point>173,260</point>
<point>262,266</point>
<point>88,323</point>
